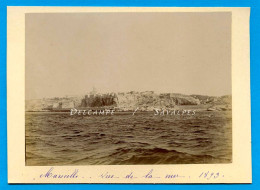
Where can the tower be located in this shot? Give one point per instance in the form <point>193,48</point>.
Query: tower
<point>94,91</point>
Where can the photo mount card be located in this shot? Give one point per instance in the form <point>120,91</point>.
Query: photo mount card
<point>128,95</point>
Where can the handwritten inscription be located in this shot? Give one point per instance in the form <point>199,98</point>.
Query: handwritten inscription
<point>173,176</point>
<point>209,175</point>
<point>150,174</point>
<point>130,176</point>
<point>52,174</point>
<point>108,175</point>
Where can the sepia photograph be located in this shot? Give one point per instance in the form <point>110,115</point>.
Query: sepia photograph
<point>128,95</point>
<point>128,88</point>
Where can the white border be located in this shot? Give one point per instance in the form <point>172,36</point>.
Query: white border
<point>237,172</point>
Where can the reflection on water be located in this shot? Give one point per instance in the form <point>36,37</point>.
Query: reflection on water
<point>61,139</point>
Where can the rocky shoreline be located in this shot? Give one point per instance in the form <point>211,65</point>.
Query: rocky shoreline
<point>129,101</point>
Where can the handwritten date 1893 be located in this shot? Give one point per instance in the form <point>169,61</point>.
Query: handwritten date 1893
<point>209,175</point>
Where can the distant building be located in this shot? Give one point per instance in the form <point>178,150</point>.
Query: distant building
<point>99,100</point>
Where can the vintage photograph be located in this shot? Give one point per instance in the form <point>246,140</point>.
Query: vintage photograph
<point>128,88</point>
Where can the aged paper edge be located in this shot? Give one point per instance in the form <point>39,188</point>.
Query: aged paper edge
<point>239,171</point>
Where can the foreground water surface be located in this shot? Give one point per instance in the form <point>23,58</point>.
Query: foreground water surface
<point>61,139</point>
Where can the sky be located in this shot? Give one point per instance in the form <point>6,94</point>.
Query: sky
<point>70,53</point>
